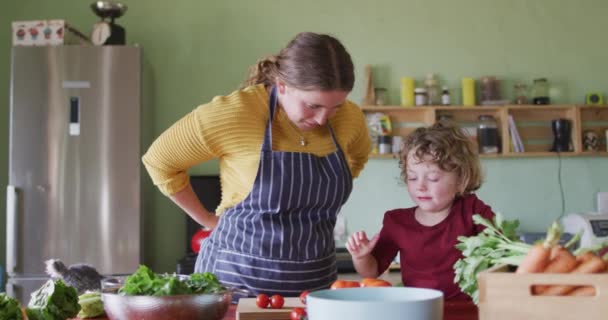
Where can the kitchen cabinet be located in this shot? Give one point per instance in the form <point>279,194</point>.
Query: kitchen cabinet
<point>533,123</point>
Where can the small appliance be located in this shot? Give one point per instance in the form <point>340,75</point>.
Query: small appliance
<point>594,227</point>
<point>594,99</point>
<point>562,129</point>
<point>108,32</point>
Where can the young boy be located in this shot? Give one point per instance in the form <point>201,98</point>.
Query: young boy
<point>441,169</point>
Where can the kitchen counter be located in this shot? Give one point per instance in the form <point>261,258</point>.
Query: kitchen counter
<point>453,310</point>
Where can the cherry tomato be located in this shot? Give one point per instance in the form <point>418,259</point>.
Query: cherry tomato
<point>303,296</point>
<point>277,301</point>
<point>298,314</point>
<point>372,282</point>
<point>339,284</point>
<point>262,301</point>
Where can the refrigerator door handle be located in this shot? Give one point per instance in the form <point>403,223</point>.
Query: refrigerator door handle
<point>10,290</point>
<point>11,229</point>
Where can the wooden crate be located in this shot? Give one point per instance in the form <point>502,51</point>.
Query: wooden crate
<point>506,295</point>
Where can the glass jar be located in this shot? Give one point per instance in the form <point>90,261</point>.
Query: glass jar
<point>420,96</point>
<point>489,89</point>
<point>521,93</point>
<point>385,144</point>
<point>487,135</point>
<point>432,88</point>
<point>540,91</point>
<point>380,94</point>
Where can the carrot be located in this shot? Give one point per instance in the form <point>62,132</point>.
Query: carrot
<point>590,264</point>
<point>585,291</point>
<point>537,258</point>
<point>563,262</point>
<point>555,251</point>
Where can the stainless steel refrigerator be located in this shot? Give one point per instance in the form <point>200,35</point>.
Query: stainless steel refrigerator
<point>74,162</point>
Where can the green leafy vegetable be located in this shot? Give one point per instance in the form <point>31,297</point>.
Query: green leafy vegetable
<point>496,244</point>
<point>204,283</point>
<point>91,305</point>
<point>9,308</point>
<point>53,301</point>
<point>144,282</point>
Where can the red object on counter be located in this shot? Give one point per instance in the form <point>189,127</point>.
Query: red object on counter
<point>197,239</point>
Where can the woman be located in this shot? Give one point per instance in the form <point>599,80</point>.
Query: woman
<point>289,144</point>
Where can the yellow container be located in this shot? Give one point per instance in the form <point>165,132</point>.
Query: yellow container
<point>407,92</point>
<point>468,92</point>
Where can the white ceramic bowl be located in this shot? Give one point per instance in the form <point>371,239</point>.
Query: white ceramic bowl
<point>382,303</point>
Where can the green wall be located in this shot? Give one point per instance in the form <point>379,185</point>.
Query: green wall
<point>195,49</point>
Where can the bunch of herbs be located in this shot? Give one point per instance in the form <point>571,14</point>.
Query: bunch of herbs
<point>497,244</point>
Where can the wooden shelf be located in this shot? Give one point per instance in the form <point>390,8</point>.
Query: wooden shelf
<point>533,124</point>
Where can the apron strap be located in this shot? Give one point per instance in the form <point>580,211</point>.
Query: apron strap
<point>272,106</point>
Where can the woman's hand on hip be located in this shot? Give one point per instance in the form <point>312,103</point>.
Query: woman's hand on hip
<point>359,246</point>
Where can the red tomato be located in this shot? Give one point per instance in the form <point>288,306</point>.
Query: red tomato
<point>262,301</point>
<point>298,314</point>
<point>372,282</point>
<point>339,284</point>
<point>197,239</point>
<point>277,301</point>
<point>303,296</point>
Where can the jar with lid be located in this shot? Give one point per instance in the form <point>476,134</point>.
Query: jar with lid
<point>540,91</point>
<point>380,94</point>
<point>487,135</point>
<point>489,89</point>
<point>432,88</point>
<point>521,94</point>
<point>420,96</point>
<point>385,144</point>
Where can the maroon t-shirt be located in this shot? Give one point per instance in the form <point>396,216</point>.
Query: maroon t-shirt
<point>427,254</point>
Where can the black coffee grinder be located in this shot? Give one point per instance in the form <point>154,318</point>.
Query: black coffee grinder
<point>562,129</point>
<point>108,32</point>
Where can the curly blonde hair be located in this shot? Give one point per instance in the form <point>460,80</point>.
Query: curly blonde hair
<point>449,149</point>
<point>310,61</point>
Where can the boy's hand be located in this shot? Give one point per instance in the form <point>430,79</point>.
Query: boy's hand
<point>359,246</point>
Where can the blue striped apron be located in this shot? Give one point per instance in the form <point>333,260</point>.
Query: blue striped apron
<point>279,239</point>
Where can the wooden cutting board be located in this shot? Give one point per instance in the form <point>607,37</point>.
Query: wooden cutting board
<point>248,310</point>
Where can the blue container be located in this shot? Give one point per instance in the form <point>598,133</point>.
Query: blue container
<point>375,303</point>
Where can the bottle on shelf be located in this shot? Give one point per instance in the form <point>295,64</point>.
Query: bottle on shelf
<point>407,92</point>
<point>445,96</point>
<point>421,96</point>
<point>468,92</point>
